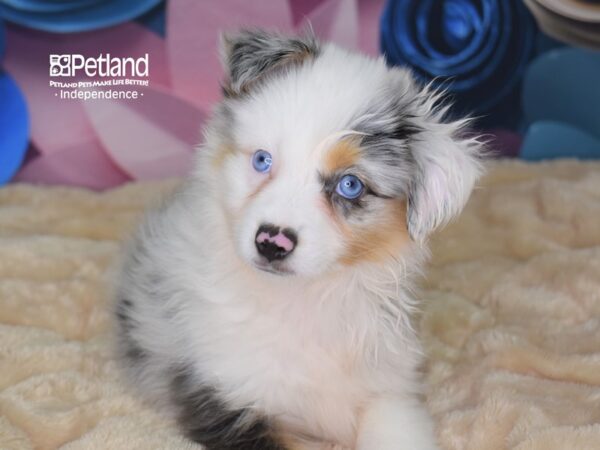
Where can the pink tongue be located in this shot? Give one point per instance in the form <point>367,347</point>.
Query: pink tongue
<point>279,239</point>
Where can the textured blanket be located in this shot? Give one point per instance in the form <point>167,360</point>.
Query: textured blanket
<point>511,317</point>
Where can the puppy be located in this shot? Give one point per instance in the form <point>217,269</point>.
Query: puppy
<point>268,304</point>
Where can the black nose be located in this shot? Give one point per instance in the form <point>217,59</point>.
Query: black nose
<point>274,243</point>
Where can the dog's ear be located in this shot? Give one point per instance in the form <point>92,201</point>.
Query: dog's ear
<point>250,55</point>
<point>447,164</point>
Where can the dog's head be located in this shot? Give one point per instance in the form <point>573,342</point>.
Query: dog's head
<point>326,159</point>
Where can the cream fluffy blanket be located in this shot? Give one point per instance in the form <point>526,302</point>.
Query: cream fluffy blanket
<point>511,317</point>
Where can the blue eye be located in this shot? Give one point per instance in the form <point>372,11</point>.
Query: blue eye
<point>262,161</point>
<point>349,187</point>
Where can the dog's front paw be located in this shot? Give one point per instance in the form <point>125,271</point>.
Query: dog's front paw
<point>399,444</point>
<point>396,424</point>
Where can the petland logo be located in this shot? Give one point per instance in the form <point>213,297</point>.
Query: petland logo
<point>102,66</point>
<point>98,78</point>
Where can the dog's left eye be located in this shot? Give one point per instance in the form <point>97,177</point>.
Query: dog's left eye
<point>262,161</point>
<point>350,187</point>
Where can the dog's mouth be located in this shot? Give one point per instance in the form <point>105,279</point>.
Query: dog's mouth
<point>275,268</point>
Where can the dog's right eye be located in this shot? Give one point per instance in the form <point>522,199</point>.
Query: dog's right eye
<point>262,161</point>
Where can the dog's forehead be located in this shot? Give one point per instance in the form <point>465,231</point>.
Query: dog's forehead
<point>300,109</point>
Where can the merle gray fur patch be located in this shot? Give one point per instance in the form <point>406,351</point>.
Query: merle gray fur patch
<point>206,418</point>
<point>252,54</point>
<point>387,127</point>
<point>130,349</point>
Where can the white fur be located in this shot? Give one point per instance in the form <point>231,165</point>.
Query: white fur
<point>329,352</point>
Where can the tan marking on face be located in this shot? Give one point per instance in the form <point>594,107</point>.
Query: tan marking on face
<point>328,209</point>
<point>379,241</point>
<point>343,154</point>
<point>258,188</point>
<point>221,155</point>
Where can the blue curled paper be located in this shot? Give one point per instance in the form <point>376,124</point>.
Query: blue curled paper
<point>2,40</point>
<point>563,85</point>
<point>547,139</point>
<point>561,101</point>
<point>72,16</point>
<point>477,49</point>
<point>43,6</point>
<point>14,128</point>
<point>155,19</point>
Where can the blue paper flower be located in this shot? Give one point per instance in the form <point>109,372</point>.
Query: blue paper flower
<point>2,40</point>
<point>548,139</point>
<point>69,16</point>
<point>155,19</point>
<point>561,100</point>
<point>477,48</point>
<point>14,122</point>
<point>562,85</point>
<point>14,128</point>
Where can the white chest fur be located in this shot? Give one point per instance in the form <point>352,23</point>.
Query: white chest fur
<point>309,357</point>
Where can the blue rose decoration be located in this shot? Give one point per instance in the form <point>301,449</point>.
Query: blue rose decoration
<point>477,49</point>
<point>14,122</point>
<point>69,16</point>
<point>2,40</point>
<point>561,101</point>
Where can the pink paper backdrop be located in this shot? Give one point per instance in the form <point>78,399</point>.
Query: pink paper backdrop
<point>102,143</point>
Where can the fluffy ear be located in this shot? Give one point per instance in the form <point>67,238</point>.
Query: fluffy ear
<point>447,166</point>
<point>250,55</point>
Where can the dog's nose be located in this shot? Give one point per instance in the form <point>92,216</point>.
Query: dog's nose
<point>275,243</point>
